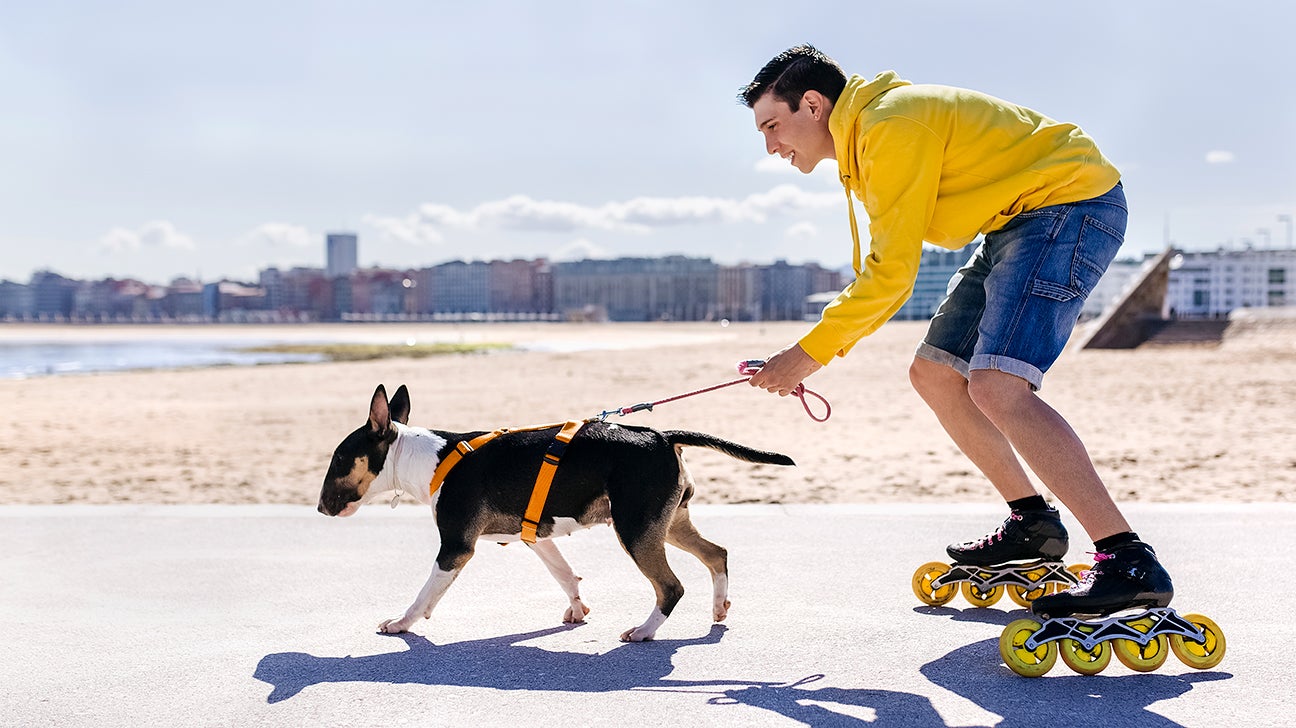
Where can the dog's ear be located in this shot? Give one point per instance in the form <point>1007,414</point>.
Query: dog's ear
<point>400,405</point>
<point>379,413</point>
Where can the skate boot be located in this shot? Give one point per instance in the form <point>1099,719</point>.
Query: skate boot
<point>1126,579</point>
<point>1024,556</point>
<point>1129,577</point>
<point>1024,536</point>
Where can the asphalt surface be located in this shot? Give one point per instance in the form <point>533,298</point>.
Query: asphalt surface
<point>267,616</point>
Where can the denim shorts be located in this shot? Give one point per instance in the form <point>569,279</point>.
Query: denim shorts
<point>1013,306</point>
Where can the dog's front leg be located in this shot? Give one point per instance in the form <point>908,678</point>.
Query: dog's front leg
<point>443,575</point>
<point>566,578</point>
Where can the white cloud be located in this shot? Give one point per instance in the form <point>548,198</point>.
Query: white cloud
<point>414,228</point>
<point>802,230</point>
<point>825,171</point>
<point>580,249</point>
<point>639,214</point>
<point>152,234</point>
<point>1219,156</point>
<point>774,164</point>
<point>278,234</point>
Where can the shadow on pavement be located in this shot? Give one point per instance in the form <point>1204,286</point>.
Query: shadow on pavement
<point>824,706</point>
<point>498,663</point>
<point>980,615</point>
<point>977,673</point>
<point>501,663</point>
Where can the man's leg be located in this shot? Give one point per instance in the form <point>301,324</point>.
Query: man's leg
<point>946,392</point>
<point>1049,446</point>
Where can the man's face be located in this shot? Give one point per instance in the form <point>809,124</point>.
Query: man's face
<point>801,137</point>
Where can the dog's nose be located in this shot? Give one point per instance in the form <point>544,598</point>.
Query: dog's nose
<point>322,509</point>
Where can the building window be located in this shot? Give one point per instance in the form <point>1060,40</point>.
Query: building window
<point>1277,275</point>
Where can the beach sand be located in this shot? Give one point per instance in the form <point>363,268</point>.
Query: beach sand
<point>1164,424</point>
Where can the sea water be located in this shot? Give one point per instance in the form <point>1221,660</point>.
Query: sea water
<point>23,359</point>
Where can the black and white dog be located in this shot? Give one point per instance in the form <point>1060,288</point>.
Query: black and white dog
<point>631,477</point>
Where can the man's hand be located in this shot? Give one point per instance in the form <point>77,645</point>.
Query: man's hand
<point>785,370</point>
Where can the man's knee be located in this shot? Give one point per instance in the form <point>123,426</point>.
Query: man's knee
<point>932,380</point>
<point>997,394</point>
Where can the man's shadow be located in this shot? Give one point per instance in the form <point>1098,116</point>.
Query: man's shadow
<point>977,673</point>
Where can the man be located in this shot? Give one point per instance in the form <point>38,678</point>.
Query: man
<point>943,165</point>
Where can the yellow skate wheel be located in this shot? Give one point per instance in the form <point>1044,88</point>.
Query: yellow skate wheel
<point>979,598</point>
<point>922,584</point>
<point>1024,662</point>
<point>1142,658</point>
<point>1200,656</point>
<point>1077,570</point>
<point>1024,597</point>
<point>1085,662</point>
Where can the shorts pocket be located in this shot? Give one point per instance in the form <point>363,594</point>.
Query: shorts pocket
<point>1097,247</point>
<point>1071,271</point>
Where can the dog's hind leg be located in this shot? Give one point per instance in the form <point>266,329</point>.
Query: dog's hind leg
<point>448,565</point>
<point>684,535</point>
<point>566,578</point>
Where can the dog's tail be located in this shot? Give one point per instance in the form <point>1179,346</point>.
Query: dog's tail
<point>732,449</point>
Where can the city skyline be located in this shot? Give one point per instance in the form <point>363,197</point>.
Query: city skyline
<point>141,144</point>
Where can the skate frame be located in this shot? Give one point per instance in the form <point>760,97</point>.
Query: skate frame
<point>986,578</point>
<point>1166,621</point>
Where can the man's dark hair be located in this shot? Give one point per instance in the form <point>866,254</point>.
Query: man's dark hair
<point>793,72</point>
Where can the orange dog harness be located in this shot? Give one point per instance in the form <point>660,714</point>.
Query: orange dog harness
<point>544,479</point>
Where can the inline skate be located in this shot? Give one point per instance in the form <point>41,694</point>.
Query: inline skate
<point>1121,606</point>
<point>1023,557</point>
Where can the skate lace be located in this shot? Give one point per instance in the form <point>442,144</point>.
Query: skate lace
<point>999,532</point>
<point>1088,575</point>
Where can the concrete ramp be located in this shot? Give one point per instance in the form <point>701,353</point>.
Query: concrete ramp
<point>1137,313</point>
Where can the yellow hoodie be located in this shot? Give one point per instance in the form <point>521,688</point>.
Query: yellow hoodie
<point>939,164</point>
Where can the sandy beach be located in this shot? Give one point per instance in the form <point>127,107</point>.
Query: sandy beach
<point>1163,424</point>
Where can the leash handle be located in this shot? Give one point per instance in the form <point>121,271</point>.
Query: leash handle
<point>749,367</point>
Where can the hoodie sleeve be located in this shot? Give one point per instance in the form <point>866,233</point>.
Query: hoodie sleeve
<point>899,165</point>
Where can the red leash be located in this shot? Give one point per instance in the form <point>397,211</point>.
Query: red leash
<point>747,369</point>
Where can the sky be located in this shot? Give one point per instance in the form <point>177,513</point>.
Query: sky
<point>154,139</point>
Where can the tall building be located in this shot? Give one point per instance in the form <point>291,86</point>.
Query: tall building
<point>341,251</point>
<point>935,270</point>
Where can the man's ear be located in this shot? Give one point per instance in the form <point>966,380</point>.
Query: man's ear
<point>817,103</point>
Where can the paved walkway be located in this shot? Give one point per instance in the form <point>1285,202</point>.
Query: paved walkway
<point>253,615</point>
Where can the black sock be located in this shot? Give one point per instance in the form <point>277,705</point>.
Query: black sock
<point>1111,543</point>
<point>1033,503</point>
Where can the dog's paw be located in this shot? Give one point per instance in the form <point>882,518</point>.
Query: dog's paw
<point>638,634</point>
<point>575,614</point>
<point>393,626</point>
<point>721,611</point>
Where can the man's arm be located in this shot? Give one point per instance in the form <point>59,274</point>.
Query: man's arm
<point>785,370</point>
<point>903,164</point>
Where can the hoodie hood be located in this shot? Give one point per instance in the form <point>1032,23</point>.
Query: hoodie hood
<point>843,123</point>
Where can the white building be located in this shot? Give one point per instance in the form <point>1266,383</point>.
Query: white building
<point>1209,284</point>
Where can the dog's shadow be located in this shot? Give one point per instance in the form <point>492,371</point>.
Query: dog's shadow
<point>499,662</point>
